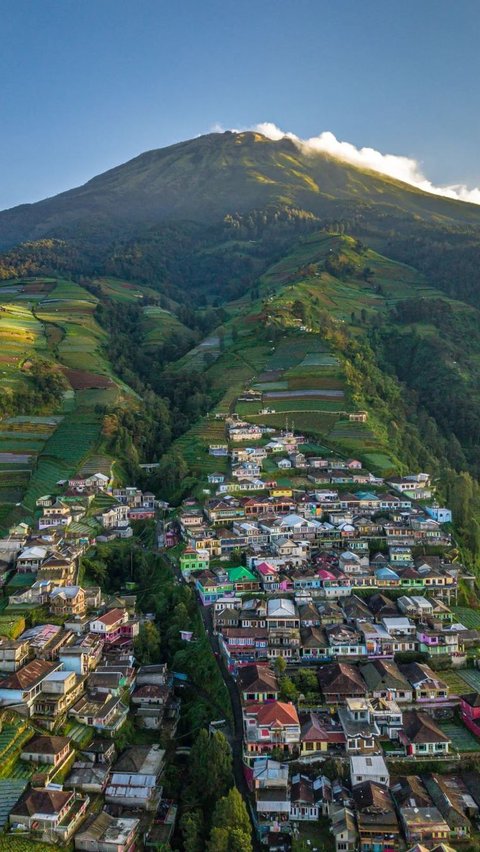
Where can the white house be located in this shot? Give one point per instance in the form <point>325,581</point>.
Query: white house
<point>368,768</point>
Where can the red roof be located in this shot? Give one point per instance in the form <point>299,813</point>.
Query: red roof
<point>111,617</point>
<point>277,713</point>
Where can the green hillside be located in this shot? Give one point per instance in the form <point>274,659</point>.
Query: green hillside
<point>48,331</point>
<point>158,294</point>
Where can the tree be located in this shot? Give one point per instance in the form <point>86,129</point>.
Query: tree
<point>231,829</point>
<point>298,310</point>
<point>280,666</point>
<point>231,811</point>
<point>288,689</point>
<point>306,680</point>
<point>229,840</point>
<point>147,644</point>
<point>125,736</point>
<point>210,767</point>
<point>191,826</point>
<point>95,568</point>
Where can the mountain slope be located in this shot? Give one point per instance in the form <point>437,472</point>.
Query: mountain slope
<point>203,179</point>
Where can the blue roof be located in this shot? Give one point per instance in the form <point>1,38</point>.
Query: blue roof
<point>386,574</point>
<point>365,495</point>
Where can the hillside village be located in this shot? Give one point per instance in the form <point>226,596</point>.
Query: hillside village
<point>70,682</point>
<point>336,610</point>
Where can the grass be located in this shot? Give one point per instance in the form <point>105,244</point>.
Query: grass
<point>11,626</point>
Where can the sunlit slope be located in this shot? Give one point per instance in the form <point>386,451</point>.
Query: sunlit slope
<point>205,178</point>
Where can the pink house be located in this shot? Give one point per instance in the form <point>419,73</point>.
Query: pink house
<point>470,711</point>
<point>114,625</point>
<point>268,576</point>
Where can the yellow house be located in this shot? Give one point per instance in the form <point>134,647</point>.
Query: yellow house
<point>281,492</point>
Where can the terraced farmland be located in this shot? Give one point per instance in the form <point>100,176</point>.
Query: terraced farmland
<point>472,679</point>
<point>71,308</point>
<point>462,739</point>
<point>470,618</point>
<point>53,318</point>
<point>63,453</point>
<point>456,684</point>
<point>160,325</point>
<point>10,792</point>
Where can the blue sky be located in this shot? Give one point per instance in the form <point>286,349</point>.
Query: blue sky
<point>87,84</point>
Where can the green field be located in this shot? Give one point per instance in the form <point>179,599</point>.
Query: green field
<point>63,453</point>
<point>472,679</point>
<point>54,319</point>
<point>462,739</point>
<point>455,681</point>
<point>470,618</point>
<point>161,325</point>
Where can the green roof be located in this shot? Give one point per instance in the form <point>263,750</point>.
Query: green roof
<point>236,575</point>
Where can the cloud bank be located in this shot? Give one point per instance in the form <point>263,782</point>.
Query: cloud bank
<point>401,168</point>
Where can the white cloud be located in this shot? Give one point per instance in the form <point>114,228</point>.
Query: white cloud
<point>401,168</point>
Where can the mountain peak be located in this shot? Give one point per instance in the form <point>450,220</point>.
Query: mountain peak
<point>205,178</point>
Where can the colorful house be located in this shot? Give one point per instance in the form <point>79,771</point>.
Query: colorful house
<point>193,560</point>
<point>210,587</point>
<point>470,711</point>
<point>243,579</point>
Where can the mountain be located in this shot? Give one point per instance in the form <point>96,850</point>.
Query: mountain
<point>204,179</point>
<point>195,278</point>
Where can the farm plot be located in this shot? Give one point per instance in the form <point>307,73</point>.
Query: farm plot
<point>315,423</point>
<point>21,441</point>
<point>10,792</point>
<point>472,679</point>
<point>97,464</point>
<point>37,422</point>
<point>122,291</point>
<point>288,406</point>
<point>344,430</point>
<point>64,451</point>
<point>306,393</point>
<point>379,462</point>
<point>270,386</point>
<point>470,618</point>
<point>21,337</point>
<point>194,448</point>
<point>455,682</point>
<point>161,325</point>
<point>71,307</point>
<point>319,359</point>
<point>292,349</point>
<point>462,739</point>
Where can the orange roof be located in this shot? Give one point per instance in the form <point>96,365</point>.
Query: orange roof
<point>277,713</point>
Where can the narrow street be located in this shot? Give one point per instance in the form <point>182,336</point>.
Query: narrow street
<point>236,739</point>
